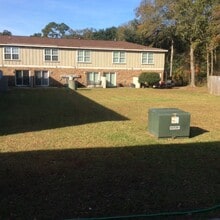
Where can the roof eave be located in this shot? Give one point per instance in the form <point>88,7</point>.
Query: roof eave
<point>86,47</point>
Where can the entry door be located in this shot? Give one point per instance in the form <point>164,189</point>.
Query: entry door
<point>110,79</point>
<point>22,78</point>
<point>41,78</point>
<point>93,78</point>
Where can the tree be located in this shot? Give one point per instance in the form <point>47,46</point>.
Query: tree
<point>129,32</point>
<point>157,25</point>
<point>150,20</point>
<point>36,35</point>
<point>105,34</point>
<point>164,22</point>
<point>86,33</point>
<point>54,30</point>
<point>213,38</point>
<point>154,16</point>
<point>6,32</point>
<point>192,21</point>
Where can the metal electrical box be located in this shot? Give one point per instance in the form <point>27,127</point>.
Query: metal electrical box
<point>168,122</point>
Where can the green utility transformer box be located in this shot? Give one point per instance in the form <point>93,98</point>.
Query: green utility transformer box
<point>168,122</point>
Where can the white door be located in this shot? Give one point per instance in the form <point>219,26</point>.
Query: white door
<point>110,79</point>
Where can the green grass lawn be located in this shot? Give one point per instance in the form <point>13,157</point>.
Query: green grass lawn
<point>67,154</point>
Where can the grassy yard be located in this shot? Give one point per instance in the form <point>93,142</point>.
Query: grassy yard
<point>67,154</point>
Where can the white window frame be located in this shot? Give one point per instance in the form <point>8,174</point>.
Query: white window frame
<point>109,81</point>
<point>147,58</point>
<point>119,57</point>
<point>51,54</point>
<point>93,82</point>
<point>84,56</point>
<point>12,53</point>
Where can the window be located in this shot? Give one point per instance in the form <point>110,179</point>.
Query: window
<point>51,54</point>
<point>11,53</point>
<point>118,57</point>
<point>84,56</point>
<point>147,58</point>
<point>22,78</point>
<point>93,78</point>
<point>41,78</point>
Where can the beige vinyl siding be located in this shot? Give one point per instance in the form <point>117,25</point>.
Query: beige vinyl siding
<point>31,56</point>
<point>36,57</point>
<point>9,62</point>
<point>158,62</point>
<point>104,59</point>
<point>27,57</point>
<point>67,58</point>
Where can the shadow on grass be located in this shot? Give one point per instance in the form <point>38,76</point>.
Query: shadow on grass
<point>24,110</point>
<point>196,131</point>
<point>63,184</point>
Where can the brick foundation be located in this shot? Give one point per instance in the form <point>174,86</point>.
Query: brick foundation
<point>123,77</point>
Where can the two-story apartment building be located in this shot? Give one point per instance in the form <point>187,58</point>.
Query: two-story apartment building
<point>39,61</point>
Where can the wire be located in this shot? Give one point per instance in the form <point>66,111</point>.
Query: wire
<point>154,214</point>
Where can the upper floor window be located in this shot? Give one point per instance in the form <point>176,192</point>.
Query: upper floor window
<point>11,53</point>
<point>51,54</point>
<point>147,58</point>
<point>118,57</point>
<point>84,56</point>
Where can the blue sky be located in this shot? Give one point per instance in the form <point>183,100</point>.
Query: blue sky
<point>26,17</point>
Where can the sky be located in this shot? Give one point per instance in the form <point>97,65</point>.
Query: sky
<point>26,17</point>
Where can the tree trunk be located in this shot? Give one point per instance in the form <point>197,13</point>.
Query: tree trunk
<point>192,65</point>
<point>212,62</point>
<point>215,56</point>
<point>207,62</point>
<point>171,60</point>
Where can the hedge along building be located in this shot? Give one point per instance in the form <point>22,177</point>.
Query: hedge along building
<point>39,61</point>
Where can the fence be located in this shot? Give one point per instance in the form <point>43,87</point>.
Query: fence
<point>214,85</point>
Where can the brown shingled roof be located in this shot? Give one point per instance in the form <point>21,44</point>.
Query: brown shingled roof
<point>74,43</point>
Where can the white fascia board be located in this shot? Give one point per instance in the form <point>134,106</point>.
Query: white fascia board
<point>86,48</point>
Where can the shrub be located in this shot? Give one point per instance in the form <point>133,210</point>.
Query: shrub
<point>181,77</point>
<point>149,78</point>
